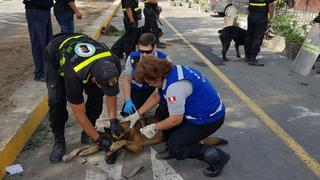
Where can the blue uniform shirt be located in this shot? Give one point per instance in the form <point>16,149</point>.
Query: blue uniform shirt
<point>204,104</point>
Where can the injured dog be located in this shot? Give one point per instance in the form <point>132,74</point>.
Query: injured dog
<point>228,34</point>
<point>132,140</point>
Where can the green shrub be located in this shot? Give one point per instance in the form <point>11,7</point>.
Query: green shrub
<point>285,25</point>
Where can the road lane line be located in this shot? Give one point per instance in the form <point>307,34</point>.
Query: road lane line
<point>308,160</point>
<point>161,169</point>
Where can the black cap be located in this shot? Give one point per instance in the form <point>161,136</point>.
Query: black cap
<point>106,75</point>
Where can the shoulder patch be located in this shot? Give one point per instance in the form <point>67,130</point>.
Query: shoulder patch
<point>84,49</point>
<point>172,100</point>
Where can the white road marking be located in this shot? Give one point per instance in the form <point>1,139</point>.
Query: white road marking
<point>110,172</point>
<point>305,112</point>
<point>161,169</point>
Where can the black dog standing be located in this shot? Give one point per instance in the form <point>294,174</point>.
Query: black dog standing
<point>257,26</point>
<point>228,34</point>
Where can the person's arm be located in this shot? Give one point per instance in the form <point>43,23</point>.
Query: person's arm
<point>111,103</point>
<point>79,111</point>
<point>73,6</point>
<point>152,101</point>
<point>152,1</point>
<point>130,14</point>
<point>126,87</point>
<point>169,122</point>
<point>271,8</point>
<point>179,91</point>
<point>127,77</point>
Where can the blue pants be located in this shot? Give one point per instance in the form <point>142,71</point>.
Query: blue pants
<point>40,30</point>
<point>66,22</point>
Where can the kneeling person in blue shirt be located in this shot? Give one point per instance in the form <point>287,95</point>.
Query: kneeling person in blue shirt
<point>195,112</point>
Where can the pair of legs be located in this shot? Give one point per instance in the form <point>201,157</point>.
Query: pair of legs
<point>257,26</point>
<point>66,22</point>
<point>40,31</point>
<point>182,142</point>
<point>127,42</point>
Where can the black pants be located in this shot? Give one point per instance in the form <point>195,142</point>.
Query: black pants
<point>58,114</point>
<point>127,42</point>
<point>257,26</point>
<point>183,140</point>
<point>150,23</point>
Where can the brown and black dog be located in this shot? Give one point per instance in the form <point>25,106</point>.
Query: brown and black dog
<point>229,33</point>
<point>132,140</point>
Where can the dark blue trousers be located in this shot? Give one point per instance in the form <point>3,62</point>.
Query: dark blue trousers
<point>66,22</point>
<point>40,30</point>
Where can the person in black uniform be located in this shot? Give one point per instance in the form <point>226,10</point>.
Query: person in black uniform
<point>151,12</point>
<point>132,13</point>
<point>257,26</point>
<point>75,63</point>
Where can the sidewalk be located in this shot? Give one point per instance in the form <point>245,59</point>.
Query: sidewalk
<point>29,106</point>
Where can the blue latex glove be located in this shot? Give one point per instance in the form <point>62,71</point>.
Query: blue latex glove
<point>129,107</point>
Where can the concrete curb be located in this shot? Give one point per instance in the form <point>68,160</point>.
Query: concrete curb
<point>12,146</point>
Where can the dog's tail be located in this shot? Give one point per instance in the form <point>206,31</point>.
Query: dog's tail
<point>220,31</point>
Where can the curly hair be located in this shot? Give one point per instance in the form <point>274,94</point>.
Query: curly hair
<point>152,68</point>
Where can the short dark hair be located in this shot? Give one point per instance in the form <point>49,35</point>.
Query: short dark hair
<point>147,39</point>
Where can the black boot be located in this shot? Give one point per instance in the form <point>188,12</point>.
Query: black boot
<point>254,62</point>
<point>85,138</point>
<point>216,158</point>
<point>166,154</point>
<point>59,148</point>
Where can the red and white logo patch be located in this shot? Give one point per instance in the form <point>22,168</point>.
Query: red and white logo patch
<point>172,99</point>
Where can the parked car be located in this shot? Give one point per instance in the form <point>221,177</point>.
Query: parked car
<point>229,7</point>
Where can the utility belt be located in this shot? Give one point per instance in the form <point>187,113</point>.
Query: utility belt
<point>136,13</point>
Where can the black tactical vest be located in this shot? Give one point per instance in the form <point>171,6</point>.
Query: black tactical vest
<point>81,52</point>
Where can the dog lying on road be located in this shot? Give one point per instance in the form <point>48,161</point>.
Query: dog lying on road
<point>132,139</point>
<point>228,34</point>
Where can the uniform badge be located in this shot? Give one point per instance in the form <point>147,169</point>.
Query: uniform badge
<point>172,99</point>
<point>85,49</point>
<point>113,81</point>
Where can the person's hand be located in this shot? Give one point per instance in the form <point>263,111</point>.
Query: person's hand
<point>149,131</point>
<point>133,25</point>
<point>132,119</point>
<point>78,15</point>
<point>115,127</point>
<point>103,142</point>
<point>129,107</point>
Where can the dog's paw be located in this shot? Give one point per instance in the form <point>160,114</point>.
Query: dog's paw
<point>116,146</point>
<point>238,56</point>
